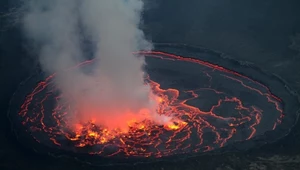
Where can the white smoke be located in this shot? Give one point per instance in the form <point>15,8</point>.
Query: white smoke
<point>115,91</point>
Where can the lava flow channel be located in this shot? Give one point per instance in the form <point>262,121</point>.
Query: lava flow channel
<point>211,106</point>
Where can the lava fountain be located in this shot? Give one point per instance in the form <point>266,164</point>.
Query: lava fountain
<point>211,103</point>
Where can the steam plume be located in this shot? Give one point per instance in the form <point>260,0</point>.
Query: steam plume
<point>114,91</point>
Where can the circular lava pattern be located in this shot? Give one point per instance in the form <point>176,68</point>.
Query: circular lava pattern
<point>213,107</point>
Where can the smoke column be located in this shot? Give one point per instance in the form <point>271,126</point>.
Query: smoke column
<point>114,92</point>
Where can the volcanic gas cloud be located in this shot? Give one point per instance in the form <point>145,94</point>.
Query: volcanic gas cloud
<point>112,92</point>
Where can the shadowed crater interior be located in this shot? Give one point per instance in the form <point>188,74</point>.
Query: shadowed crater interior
<point>217,104</point>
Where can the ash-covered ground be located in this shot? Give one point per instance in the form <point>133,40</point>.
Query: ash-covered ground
<point>266,33</point>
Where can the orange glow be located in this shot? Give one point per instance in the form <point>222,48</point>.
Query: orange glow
<point>160,100</point>
<point>175,127</point>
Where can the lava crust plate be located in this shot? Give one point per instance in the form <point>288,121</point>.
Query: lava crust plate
<point>218,105</point>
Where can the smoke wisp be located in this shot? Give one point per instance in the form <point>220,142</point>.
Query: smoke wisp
<point>114,92</point>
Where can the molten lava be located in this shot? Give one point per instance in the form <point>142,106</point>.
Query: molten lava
<point>225,119</point>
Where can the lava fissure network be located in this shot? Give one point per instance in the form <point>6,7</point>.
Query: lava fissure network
<point>213,102</point>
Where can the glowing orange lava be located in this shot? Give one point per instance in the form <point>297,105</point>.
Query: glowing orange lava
<point>190,129</point>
